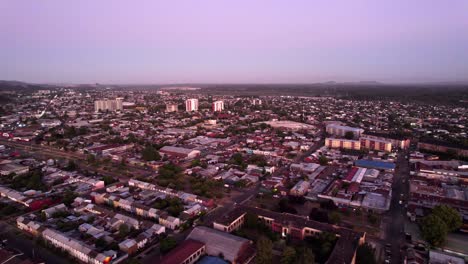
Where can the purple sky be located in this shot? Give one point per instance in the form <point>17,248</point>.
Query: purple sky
<point>237,41</point>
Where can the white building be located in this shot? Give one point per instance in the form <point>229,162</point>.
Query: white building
<point>300,189</point>
<point>218,106</point>
<point>76,248</point>
<point>256,101</point>
<point>339,130</point>
<point>172,108</point>
<point>111,105</point>
<point>191,105</point>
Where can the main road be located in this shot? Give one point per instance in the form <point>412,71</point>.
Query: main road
<point>395,217</point>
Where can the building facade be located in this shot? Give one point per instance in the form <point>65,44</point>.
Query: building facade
<point>341,143</point>
<point>376,144</point>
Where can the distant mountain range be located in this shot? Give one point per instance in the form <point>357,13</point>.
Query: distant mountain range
<point>13,83</point>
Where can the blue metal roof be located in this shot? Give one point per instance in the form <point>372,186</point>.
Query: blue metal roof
<point>375,164</point>
<point>211,260</point>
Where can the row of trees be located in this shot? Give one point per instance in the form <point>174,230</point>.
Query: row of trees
<point>173,206</point>
<point>290,255</point>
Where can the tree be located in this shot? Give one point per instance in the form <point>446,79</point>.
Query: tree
<point>317,214</point>
<point>100,243</point>
<point>323,160</point>
<point>327,242</point>
<point>307,256</point>
<point>449,216</point>
<point>108,179</point>
<point>373,219</point>
<point>328,204</point>
<point>434,230</point>
<point>334,217</point>
<point>149,154</point>
<point>123,230</point>
<point>91,158</point>
<point>284,207</point>
<point>68,197</point>
<point>349,135</point>
<point>195,163</point>
<point>264,251</point>
<point>167,244</point>
<point>365,254</point>
<point>289,255</point>
<point>251,220</point>
<point>71,166</point>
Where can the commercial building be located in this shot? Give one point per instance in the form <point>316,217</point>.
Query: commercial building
<point>233,248</point>
<point>342,143</point>
<point>188,252</point>
<point>290,125</point>
<point>339,130</point>
<point>15,196</point>
<point>218,106</point>
<point>10,168</point>
<point>172,108</point>
<point>191,105</point>
<point>108,105</point>
<point>375,164</point>
<point>300,189</point>
<point>180,152</point>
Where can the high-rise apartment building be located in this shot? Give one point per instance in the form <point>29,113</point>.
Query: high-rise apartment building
<point>218,106</point>
<point>191,105</point>
<point>108,105</point>
<point>256,101</point>
<point>172,108</point>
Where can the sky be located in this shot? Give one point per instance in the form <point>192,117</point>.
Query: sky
<point>236,41</point>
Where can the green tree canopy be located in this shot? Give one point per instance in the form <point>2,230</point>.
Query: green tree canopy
<point>264,250</point>
<point>306,256</point>
<point>449,216</point>
<point>434,230</point>
<point>323,160</point>
<point>149,153</point>
<point>365,254</point>
<point>288,256</point>
<point>167,244</point>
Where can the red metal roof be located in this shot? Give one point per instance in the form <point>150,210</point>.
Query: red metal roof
<point>351,174</point>
<point>182,252</point>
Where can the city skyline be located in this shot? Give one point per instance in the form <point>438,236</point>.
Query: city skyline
<point>241,42</point>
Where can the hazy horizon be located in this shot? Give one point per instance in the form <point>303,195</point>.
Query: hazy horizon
<point>241,42</point>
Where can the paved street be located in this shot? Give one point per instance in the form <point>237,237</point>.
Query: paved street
<point>394,219</point>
